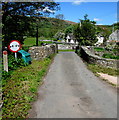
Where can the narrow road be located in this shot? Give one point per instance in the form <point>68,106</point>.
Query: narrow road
<point>70,90</point>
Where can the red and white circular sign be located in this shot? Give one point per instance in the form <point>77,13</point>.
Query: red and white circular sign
<point>14,46</point>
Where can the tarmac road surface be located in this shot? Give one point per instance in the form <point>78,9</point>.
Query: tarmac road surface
<point>70,90</point>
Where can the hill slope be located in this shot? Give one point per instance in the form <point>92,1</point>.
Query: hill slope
<point>48,27</point>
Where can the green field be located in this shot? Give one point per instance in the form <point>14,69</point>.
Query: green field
<point>97,68</point>
<point>31,41</point>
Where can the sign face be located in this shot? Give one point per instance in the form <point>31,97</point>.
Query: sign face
<point>14,46</point>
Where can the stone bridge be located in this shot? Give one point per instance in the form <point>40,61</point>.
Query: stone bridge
<point>65,46</point>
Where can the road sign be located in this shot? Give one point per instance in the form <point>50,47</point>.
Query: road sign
<point>14,46</point>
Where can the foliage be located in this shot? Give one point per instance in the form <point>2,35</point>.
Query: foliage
<point>15,18</point>
<point>20,89</point>
<point>110,56</point>
<point>31,41</point>
<point>116,26</point>
<point>69,29</point>
<point>26,48</point>
<point>85,31</point>
<point>98,49</point>
<point>59,35</point>
<point>59,16</point>
<point>48,27</point>
<point>104,30</point>
<point>110,46</point>
<point>14,64</point>
<point>5,75</point>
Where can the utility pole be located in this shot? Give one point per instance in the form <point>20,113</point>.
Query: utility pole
<point>37,34</point>
<point>46,9</point>
<point>113,28</point>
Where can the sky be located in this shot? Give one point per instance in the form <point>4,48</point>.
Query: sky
<point>104,13</point>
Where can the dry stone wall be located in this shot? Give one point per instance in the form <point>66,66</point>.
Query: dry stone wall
<point>88,56</point>
<point>40,52</point>
<point>66,46</point>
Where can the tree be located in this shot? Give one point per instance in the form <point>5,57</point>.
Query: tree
<point>59,35</point>
<point>116,26</point>
<point>85,31</point>
<point>69,29</point>
<point>18,17</point>
<point>60,16</point>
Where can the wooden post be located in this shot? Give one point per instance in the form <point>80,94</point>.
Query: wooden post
<point>5,61</point>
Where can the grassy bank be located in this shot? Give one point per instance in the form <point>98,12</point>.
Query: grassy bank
<point>20,89</point>
<point>67,50</point>
<point>96,68</point>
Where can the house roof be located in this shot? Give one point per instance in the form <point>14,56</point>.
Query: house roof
<point>71,36</point>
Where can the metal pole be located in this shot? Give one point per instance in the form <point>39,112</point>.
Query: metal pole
<point>113,28</point>
<point>15,56</point>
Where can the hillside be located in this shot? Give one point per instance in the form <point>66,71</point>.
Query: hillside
<point>48,27</point>
<point>70,22</point>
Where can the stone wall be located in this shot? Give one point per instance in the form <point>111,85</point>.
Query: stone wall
<point>66,46</point>
<point>88,56</point>
<point>40,52</point>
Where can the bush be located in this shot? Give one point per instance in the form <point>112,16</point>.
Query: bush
<point>14,64</point>
<point>110,56</point>
<point>5,75</point>
<point>98,49</point>
<point>26,48</point>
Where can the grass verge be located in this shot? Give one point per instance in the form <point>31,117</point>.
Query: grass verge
<point>98,49</point>
<point>96,68</point>
<point>68,50</point>
<point>20,89</point>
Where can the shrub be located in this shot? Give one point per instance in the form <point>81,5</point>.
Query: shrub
<point>110,56</point>
<point>26,48</point>
<point>98,49</point>
<point>14,64</point>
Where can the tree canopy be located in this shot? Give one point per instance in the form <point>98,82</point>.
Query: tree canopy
<point>59,16</point>
<point>85,31</point>
<point>17,16</point>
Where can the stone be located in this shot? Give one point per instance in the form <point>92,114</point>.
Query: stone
<point>40,52</point>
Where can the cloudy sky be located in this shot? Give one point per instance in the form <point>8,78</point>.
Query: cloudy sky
<point>104,13</point>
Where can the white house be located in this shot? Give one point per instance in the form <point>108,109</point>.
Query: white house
<point>70,38</point>
<point>100,40</point>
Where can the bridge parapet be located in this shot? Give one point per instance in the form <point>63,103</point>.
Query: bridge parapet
<point>87,54</point>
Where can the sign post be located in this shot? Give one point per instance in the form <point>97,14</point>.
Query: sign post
<point>5,61</point>
<point>14,46</point>
<point>15,56</point>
